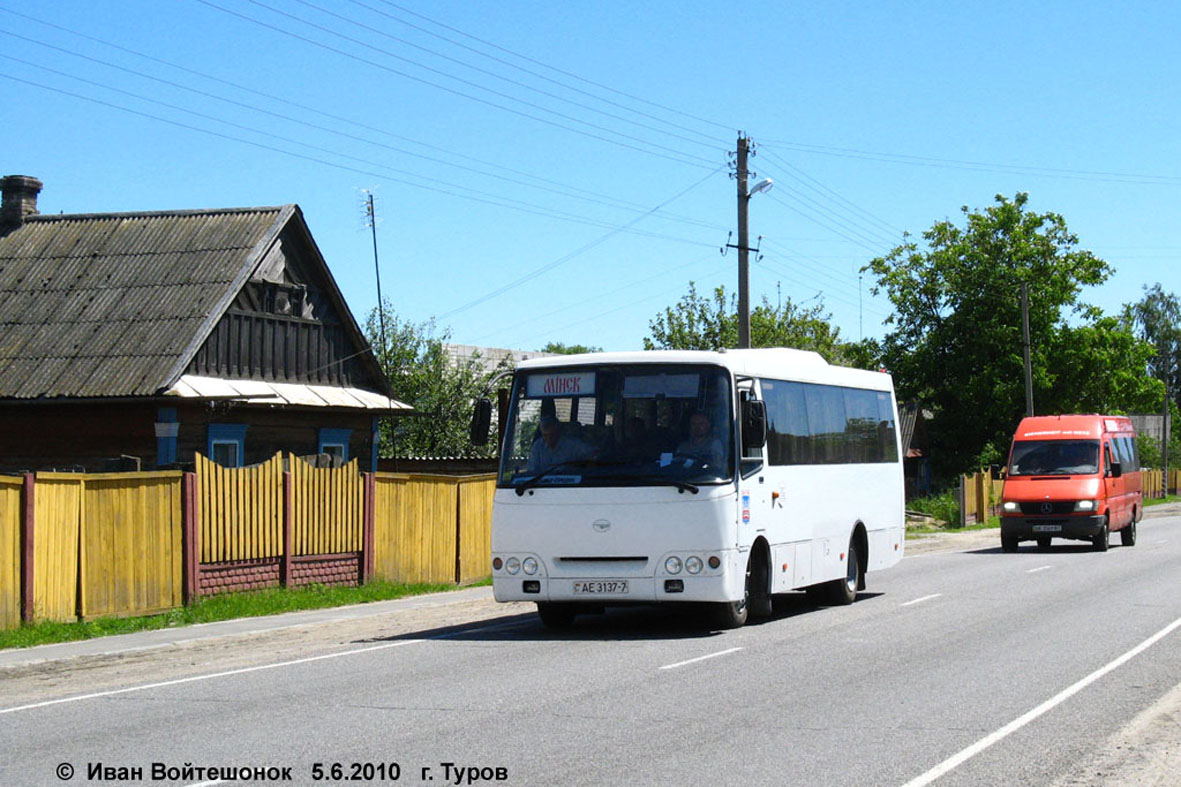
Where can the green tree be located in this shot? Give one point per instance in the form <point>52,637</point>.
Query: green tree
<point>1157,320</point>
<point>569,349</point>
<point>698,322</point>
<point>440,387</point>
<point>956,344</point>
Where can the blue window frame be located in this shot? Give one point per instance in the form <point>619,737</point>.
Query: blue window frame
<point>227,444</point>
<point>335,442</point>
<point>167,430</point>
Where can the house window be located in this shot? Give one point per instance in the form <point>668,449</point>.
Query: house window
<point>227,444</point>
<point>336,443</point>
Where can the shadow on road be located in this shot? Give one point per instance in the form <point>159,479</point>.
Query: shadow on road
<point>613,624</point>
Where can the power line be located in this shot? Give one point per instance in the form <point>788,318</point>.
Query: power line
<point>676,156</point>
<point>577,252</point>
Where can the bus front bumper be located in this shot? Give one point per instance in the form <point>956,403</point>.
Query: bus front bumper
<point>607,591</point>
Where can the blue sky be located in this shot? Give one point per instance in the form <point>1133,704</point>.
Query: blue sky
<point>558,171</point>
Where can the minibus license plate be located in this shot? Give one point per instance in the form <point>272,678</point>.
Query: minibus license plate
<point>1047,528</point>
<point>601,587</point>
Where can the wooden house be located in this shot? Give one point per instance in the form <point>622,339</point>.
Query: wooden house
<point>138,339</point>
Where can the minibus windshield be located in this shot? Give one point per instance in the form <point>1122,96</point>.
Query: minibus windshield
<point>1054,457</point>
<point>619,425</point>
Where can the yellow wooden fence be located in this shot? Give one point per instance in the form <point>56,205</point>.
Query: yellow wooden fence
<point>131,555</point>
<point>240,510</point>
<point>58,505</point>
<point>416,520</point>
<point>327,508</point>
<point>10,555</point>
<point>980,494</point>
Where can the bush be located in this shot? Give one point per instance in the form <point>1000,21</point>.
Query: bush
<point>944,507</point>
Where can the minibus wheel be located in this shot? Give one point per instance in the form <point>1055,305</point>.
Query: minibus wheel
<point>1043,542</point>
<point>554,615</point>
<point>1008,543</point>
<point>1127,536</point>
<point>1102,539</point>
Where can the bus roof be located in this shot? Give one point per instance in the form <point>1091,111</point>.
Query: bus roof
<point>774,362</point>
<point>1064,427</point>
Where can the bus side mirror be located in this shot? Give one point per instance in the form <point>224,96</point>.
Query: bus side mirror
<point>1117,469</point>
<point>481,422</point>
<point>754,425</point>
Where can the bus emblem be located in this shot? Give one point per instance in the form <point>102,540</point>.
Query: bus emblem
<point>601,525</point>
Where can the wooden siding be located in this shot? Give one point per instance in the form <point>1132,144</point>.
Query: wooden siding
<point>414,528</point>
<point>58,504</point>
<point>10,556</point>
<point>251,346</point>
<point>239,510</point>
<point>475,527</point>
<point>327,508</point>
<point>131,544</point>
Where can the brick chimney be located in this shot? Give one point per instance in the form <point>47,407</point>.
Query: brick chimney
<point>20,200</point>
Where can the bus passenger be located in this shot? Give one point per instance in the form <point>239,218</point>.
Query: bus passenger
<point>554,448</point>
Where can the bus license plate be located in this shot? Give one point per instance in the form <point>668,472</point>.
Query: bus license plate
<point>1047,528</point>
<point>601,587</point>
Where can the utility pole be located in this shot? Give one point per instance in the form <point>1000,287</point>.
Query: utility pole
<point>371,218</point>
<point>743,247</point>
<point>1025,334</point>
<point>1164,446</point>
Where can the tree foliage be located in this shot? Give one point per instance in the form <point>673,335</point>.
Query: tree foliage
<point>569,349</point>
<point>1157,320</point>
<point>956,344</point>
<point>424,374</point>
<point>698,322</point>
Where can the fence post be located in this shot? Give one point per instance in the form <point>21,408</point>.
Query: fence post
<point>963,500</point>
<point>458,531</point>
<point>981,500</point>
<point>28,516</point>
<point>367,525</point>
<point>285,561</point>
<point>190,539</point>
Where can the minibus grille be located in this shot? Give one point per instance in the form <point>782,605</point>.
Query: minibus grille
<point>1048,508</point>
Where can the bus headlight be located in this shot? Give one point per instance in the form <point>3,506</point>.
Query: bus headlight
<point>693,565</point>
<point>1085,505</point>
<point>1011,507</point>
<point>673,565</point>
<point>530,565</point>
<point>512,565</point>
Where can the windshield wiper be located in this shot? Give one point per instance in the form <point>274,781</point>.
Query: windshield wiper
<point>653,480</point>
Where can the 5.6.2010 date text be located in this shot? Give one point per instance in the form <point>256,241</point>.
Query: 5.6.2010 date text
<point>356,771</point>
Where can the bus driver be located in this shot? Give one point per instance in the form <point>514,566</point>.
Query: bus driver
<point>554,448</point>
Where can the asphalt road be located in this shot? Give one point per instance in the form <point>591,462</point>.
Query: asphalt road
<point>960,667</point>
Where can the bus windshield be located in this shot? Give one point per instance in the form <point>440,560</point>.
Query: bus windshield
<point>1055,457</point>
<point>619,425</point>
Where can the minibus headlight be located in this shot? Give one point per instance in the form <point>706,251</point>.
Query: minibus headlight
<point>1010,507</point>
<point>530,565</point>
<point>673,565</point>
<point>693,565</point>
<point>512,565</point>
<point>1085,505</point>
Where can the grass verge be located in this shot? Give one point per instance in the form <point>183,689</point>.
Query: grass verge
<point>211,609</point>
<point>1156,501</point>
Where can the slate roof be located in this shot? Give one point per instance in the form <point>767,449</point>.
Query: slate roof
<point>115,304</point>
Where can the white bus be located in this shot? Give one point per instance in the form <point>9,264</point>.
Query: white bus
<point>686,476</point>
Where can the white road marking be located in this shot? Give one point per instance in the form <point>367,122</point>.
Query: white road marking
<point>258,668</point>
<point>922,599</point>
<point>1039,568</point>
<point>963,756</point>
<point>701,658</point>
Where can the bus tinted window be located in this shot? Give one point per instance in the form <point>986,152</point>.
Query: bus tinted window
<point>825,424</point>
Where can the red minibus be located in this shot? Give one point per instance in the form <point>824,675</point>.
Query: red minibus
<point>1072,476</point>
